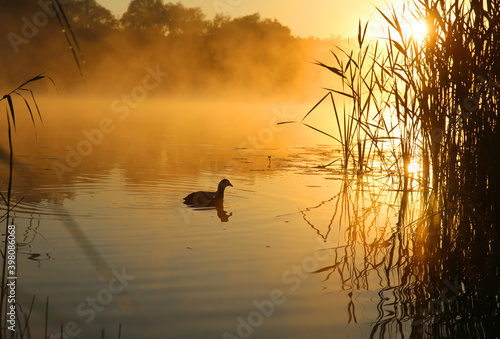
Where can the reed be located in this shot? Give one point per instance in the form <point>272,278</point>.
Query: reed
<point>435,101</point>
<point>28,98</point>
<point>354,69</point>
<point>451,117</point>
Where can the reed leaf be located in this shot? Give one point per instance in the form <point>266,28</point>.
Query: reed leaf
<point>339,92</point>
<point>322,132</point>
<point>330,68</point>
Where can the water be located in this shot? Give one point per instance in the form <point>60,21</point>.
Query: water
<point>103,233</point>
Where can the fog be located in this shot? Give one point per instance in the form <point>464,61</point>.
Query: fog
<point>88,50</point>
<point>162,70</point>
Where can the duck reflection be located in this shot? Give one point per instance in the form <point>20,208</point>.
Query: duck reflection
<point>222,214</point>
<point>219,208</point>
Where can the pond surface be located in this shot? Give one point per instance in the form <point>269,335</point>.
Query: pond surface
<point>104,235</point>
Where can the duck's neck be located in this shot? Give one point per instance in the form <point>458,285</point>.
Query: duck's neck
<point>220,191</point>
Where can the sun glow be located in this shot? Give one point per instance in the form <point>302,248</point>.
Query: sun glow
<point>403,28</point>
<point>414,168</point>
<point>416,29</point>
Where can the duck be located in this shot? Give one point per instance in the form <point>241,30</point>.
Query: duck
<point>205,199</point>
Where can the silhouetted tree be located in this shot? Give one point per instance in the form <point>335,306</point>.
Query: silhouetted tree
<point>220,20</point>
<point>146,16</point>
<point>88,14</point>
<point>249,50</point>
<point>91,20</point>
<point>247,53</point>
<point>187,21</point>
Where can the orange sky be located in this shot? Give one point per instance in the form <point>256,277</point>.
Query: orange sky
<point>319,18</point>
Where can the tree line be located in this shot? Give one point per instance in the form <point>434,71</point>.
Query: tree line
<point>247,54</point>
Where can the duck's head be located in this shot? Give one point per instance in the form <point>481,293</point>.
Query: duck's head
<point>223,184</point>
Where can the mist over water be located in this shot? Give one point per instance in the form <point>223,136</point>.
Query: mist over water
<point>89,179</point>
<point>245,57</point>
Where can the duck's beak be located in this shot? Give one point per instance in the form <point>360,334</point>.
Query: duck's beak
<point>230,184</point>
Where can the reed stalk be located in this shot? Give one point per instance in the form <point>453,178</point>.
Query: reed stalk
<point>34,112</point>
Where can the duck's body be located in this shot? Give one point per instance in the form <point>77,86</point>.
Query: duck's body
<point>205,199</point>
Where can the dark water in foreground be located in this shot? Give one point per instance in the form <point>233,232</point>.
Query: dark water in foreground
<point>296,251</point>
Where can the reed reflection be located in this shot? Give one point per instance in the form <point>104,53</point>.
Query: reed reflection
<point>430,282</point>
<point>30,239</point>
